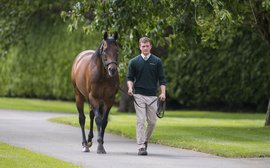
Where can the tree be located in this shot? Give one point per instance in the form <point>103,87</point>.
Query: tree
<point>15,17</point>
<point>165,21</point>
<point>186,20</point>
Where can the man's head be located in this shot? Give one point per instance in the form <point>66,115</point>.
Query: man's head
<point>145,45</point>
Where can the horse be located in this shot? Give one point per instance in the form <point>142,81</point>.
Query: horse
<point>95,79</point>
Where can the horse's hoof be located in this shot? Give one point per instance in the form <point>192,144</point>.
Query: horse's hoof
<point>89,144</point>
<point>101,150</point>
<point>85,149</point>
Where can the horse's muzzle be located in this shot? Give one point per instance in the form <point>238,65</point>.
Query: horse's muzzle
<point>112,70</point>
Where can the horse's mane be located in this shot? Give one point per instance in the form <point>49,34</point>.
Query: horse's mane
<point>97,52</point>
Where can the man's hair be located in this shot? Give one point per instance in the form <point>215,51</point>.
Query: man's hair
<point>144,40</point>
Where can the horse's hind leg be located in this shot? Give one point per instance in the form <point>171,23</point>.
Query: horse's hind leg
<point>80,105</point>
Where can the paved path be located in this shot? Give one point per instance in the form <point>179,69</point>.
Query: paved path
<point>31,130</point>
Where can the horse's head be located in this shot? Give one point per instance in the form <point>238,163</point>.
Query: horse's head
<point>109,51</point>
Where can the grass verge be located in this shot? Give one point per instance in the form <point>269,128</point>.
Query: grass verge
<point>37,105</point>
<point>11,156</point>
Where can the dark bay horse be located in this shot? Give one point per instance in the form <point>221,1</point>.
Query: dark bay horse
<point>95,79</point>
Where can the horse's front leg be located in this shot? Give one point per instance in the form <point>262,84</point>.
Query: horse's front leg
<point>99,122</point>
<point>91,134</point>
<point>106,111</point>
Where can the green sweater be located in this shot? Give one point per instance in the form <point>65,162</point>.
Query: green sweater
<point>146,75</point>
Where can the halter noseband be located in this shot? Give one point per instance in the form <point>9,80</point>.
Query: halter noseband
<point>108,63</point>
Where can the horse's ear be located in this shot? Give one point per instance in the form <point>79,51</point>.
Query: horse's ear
<point>100,49</point>
<point>105,36</point>
<point>115,36</point>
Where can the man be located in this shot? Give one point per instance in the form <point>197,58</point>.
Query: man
<point>145,73</point>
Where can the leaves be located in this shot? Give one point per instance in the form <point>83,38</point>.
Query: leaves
<point>17,15</point>
<point>235,75</point>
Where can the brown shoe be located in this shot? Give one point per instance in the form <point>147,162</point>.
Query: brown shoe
<point>142,151</point>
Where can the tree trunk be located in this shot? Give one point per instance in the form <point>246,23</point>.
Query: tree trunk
<point>125,104</point>
<point>267,116</point>
<point>263,25</point>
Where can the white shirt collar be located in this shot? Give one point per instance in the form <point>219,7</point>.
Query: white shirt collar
<point>147,56</point>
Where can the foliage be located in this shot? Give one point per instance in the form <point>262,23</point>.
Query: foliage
<point>38,51</point>
<point>234,76</point>
<point>131,19</point>
<point>41,66</point>
<point>16,15</point>
<point>169,21</point>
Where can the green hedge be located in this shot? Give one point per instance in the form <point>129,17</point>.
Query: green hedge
<point>41,66</point>
<point>234,77</point>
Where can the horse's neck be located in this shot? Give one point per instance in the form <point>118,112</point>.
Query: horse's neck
<point>103,75</point>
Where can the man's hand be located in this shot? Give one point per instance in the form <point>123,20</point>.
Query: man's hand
<point>130,92</point>
<point>130,86</point>
<point>162,97</point>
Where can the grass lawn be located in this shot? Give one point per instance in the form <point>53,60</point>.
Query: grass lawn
<point>37,105</point>
<point>11,156</point>
<point>223,134</point>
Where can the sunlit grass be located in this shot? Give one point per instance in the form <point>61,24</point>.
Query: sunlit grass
<point>11,156</point>
<point>38,105</point>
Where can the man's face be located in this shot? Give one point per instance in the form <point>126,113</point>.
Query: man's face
<point>145,48</point>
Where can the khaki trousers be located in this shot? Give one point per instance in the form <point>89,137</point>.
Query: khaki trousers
<point>145,112</point>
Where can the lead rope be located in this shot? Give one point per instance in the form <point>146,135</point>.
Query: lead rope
<point>161,109</point>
